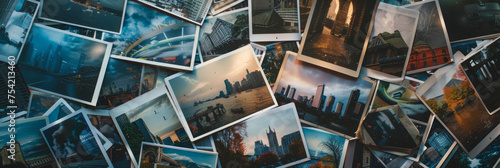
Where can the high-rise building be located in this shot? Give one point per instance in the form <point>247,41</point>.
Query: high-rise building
<point>283,91</point>
<point>358,110</point>
<point>300,99</point>
<point>229,88</point>
<point>351,102</point>
<point>338,109</point>
<point>143,128</point>
<point>289,139</point>
<point>292,93</point>
<point>6,9</point>
<point>287,90</point>
<point>273,142</point>
<point>237,86</point>
<point>56,60</point>
<point>196,9</point>
<point>260,148</point>
<point>319,93</point>
<point>183,137</point>
<point>306,99</point>
<point>81,61</point>
<point>310,101</point>
<point>329,104</point>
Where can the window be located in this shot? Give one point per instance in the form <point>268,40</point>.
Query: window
<point>443,51</point>
<point>434,62</point>
<point>425,63</point>
<point>423,55</point>
<point>433,53</point>
<point>412,66</point>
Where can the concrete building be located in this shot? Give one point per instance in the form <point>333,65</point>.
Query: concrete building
<point>319,93</point>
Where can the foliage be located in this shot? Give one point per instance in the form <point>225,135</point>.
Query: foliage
<point>268,159</point>
<point>334,149</point>
<point>133,136</point>
<point>230,145</point>
<point>240,27</point>
<point>320,165</point>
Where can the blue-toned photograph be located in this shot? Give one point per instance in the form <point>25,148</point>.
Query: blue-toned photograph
<point>326,149</point>
<point>59,110</point>
<point>438,142</point>
<point>16,18</point>
<point>31,150</point>
<point>102,15</point>
<point>323,97</point>
<point>151,37</point>
<point>63,64</point>
<point>154,155</point>
<point>74,144</point>
<point>41,102</point>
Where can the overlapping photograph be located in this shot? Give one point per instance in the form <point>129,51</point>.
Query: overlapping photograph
<point>469,20</point>
<point>388,49</point>
<point>484,75</point>
<point>41,102</point>
<point>219,6</point>
<point>389,129</point>
<point>431,47</point>
<point>275,54</point>
<point>220,93</point>
<point>22,92</point>
<point>74,143</point>
<point>271,139</point>
<point>165,41</point>
<point>453,100</point>
<point>156,155</point>
<point>30,148</point>
<point>324,98</point>
<point>64,64</point>
<point>149,118</point>
<point>223,33</point>
<point>276,20</point>
<point>193,11</point>
<point>326,149</point>
<point>489,157</point>
<point>153,77</point>
<point>337,34</point>
<point>57,111</point>
<point>17,18</point>
<point>305,9</point>
<point>102,15</point>
<point>439,143</point>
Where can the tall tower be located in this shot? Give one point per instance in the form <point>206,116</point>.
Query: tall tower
<point>329,104</point>
<point>287,90</point>
<point>81,61</point>
<point>229,88</point>
<point>319,94</point>
<point>273,142</point>
<point>351,103</point>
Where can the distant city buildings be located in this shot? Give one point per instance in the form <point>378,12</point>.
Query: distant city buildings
<point>279,150</point>
<point>273,142</point>
<point>288,139</point>
<point>338,109</point>
<point>329,104</point>
<point>319,94</point>
<point>292,93</point>
<point>260,148</point>
<point>253,80</point>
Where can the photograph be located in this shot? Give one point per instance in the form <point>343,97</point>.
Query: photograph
<point>467,47</point>
<point>484,74</point>
<point>121,83</point>
<point>101,15</point>
<point>388,49</point>
<point>489,157</point>
<point>223,33</point>
<point>74,143</point>
<point>193,11</point>
<point>391,161</point>
<point>399,2</point>
<point>150,118</point>
<point>391,94</point>
<point>157,155</point>
<point>274,20</point>
<point>305,9</point>
<point>117,153</point>
<point>358,156</point>
<point>325,99</point>
<point>153,77</point>
<point>337,34</point>
<point>259,51</point>
<point>326,149</point>
<point>210,99</point>
<point>64,64</point>
<point>453,100</point>
<point>73,29</point>
<point>222,5</point>
<point>163,41</point>
<point>275,54</point>
<point>470,20</point>
<point>271,139</point>
<point>57,111</point>
<point>16,19</point>
<point>389,129</point>
<point>41,102</point>
<point>30,148</point>
<point>438,143</point>
<point>431,46</point>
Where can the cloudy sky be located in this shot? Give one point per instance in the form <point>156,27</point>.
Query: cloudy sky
<point>26,132</point>
<point>306,78</point>
<point>199,158</point>
<point>391,19</point>
<point>206,82</point>
<point>284,122</point>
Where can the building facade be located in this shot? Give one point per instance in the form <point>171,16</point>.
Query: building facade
<point>423,56</point>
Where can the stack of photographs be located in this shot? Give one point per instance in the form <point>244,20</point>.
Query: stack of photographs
<point>41,102</point>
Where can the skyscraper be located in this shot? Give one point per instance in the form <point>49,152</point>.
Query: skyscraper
<point>292,93</point>
<point>351,103</point>
<point>283,91</point>
<point>338,109</point>
<point>229,88</point>
<point>358,110</point>
<point>6,9</point>
<point>319,93</point>
<point>273,142</point>
<point>260,148</point>
<point>81,61</point>
<point>287,90</point>
<point>329,104</point>
<point>289,139</point>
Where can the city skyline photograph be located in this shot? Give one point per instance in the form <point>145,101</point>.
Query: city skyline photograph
<point>341,99</point>
<point>219,34</point>
<point>337,33</point>
<point>69,150</point>
<point>33,152</point>
<point>163,41</point>
<point>150,118</point>
<point>64,64</point>
<point>326,149</point>
<point>465,117</point>
<point>274,134</point>
<point>211,99</point>
<point>193,11</point>
<point>171,156</point>
<point>388,49</point>
<point>102,15</point>
<point>15,22</point>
